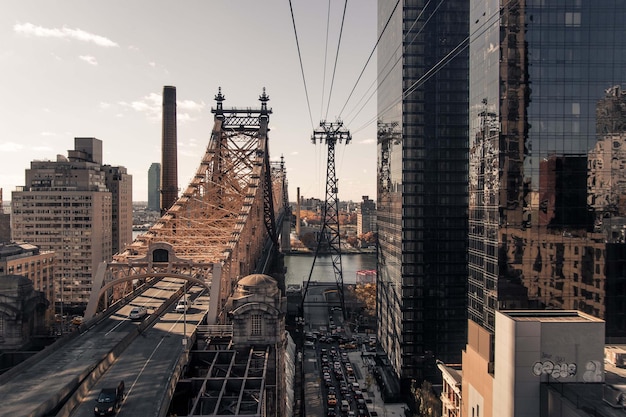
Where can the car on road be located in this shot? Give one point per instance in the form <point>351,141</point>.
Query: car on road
<point>182,306</point>
<point>109,400</point>
<point>138,313</point>
<point>77,320</point>
<point>345,406</point>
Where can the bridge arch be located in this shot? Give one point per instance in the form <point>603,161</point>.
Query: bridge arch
<point>159,261</point>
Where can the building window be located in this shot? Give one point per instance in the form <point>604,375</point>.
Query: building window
<point>256,324</point>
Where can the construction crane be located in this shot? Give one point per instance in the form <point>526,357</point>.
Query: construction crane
<point>329,238</point>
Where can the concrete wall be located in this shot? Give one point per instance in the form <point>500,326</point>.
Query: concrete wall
<point>530,350</point>
<point>477,385</point>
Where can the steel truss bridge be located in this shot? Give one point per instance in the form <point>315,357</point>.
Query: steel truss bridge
<point>218,229</point>
<point>224,226</point>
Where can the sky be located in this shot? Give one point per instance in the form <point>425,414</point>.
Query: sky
<point>79,68</point>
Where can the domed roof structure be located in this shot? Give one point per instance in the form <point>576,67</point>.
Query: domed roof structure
<point>257,284</point>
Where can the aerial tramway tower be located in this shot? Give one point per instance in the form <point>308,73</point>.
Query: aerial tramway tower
<point>329,238</point>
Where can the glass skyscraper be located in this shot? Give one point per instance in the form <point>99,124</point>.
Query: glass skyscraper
<point>154,185</point>
<point>547,194</point>
<point>422,199</point>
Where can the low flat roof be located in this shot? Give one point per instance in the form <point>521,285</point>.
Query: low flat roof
<point>550,316</point>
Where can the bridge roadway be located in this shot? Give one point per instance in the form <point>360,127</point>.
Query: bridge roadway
<point>75,367</point>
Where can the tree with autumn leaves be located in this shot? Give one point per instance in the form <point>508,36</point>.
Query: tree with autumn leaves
<point>366,295</point>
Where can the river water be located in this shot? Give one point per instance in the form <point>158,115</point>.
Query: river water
<point>299,267</point>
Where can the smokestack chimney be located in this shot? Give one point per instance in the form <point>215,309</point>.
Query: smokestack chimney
<point>169,157</point>
<point>298,213</point>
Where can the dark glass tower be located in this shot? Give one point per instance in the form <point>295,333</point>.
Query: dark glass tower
<point>548,158</point>
<point>422,184</point>
<point>154,183</point>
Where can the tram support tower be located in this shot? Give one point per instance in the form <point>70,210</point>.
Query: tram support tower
<point>329,239</point>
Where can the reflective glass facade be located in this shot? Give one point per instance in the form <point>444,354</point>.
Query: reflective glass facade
<point>422,184</point>
<point>547,156</point>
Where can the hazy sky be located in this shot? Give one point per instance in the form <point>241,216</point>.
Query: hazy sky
<point>78,68</point>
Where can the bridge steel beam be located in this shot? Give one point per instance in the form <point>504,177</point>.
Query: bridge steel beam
<point>224,217</point>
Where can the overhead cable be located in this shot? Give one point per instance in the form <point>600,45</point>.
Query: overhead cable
<point>330,92</point>
<point>308,102</point>
<point>325,56</point>
<point>397,60</point>
<point>370,57</point>
<point>442,62</point>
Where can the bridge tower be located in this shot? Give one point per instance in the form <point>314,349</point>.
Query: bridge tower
<point>329,239</point>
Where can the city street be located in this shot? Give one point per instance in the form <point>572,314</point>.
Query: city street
<point>338,379</point>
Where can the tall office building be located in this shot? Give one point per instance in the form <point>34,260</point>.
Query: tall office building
<point>120,184</point>
<point>5,222</point>
<point>366,216</point>
<point>422,184</point>
<point>65,206</point>
<point>154,184</point>
<point>38,266</point>
<point>547,157</point>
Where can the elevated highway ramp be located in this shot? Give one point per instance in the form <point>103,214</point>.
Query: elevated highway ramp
<point>42,384</point>
<point>149,367</point>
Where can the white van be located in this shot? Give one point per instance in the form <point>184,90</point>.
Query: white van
<point>345,406</point>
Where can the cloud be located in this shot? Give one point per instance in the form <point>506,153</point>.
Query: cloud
<point>190,105</point>
<point>89,59</point>
<point>48,134</point>
<point>152,64</point>
<point>104,105</point>
<point>183,117</point>
<point>367,141</point>
<point>152,106</point>
<point>11,147</point>
<point>42,148</point>
<point>29,29</point>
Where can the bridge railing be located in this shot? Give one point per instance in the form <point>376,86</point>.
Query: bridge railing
<point>215,330</point>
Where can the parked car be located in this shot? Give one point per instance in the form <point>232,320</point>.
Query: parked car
<point>109,400</point>
<point>138,313</point>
